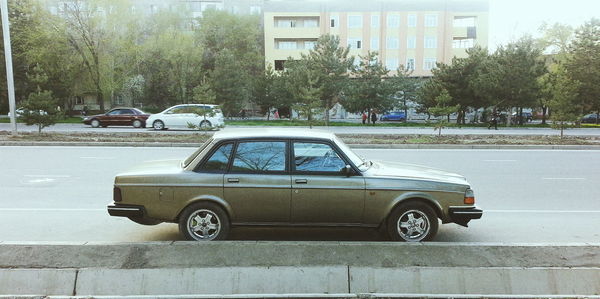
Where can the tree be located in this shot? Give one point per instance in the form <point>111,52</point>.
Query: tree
<point>583,65</point>
<point>368,89</point>
<point>264,91</point>
<point>301,82</point>
<point>40,108</point>
<point>404,88</point>
<point>441,109</point>
<point>563,100</point>
<point>510,78</point>
<point>331,63</point>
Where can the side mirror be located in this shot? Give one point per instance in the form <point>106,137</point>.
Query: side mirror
<point>347,170</point>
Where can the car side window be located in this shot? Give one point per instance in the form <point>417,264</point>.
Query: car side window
<point>219,160</point>
<point>127,111</point>
<point>316,157</point>
<point>114,112</point>
<point>260,157</point>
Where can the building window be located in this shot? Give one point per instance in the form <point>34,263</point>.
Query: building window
<point>289,45</point>
<point>430,42</point>
<point>286,23</point>
<point>311,23</point>
<point>392,43</point>
<point>374,43</point>
<point>355,43</point>
<point>411,42</point>
<point>255,10</point>
<point>391,64</point>
<point>463,43</point>
<point>334,21</point>
<point>355,21</point>
<point>393,21</point>
<point>464,21</point>
<point>412,21</point>
<point>375,21</point>
<point>119,100</point>
<point>279,65</point>
<point>410,64</point>
<point>431,20</point>
<point>429,64</point>
<point>309,45</point>
<point>78,100</point>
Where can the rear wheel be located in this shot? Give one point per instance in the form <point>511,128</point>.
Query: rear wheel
<point>158,125</point>
<point>205,125</point>
<point>412,222</point>
<point>137,123</point>
<point>204,221</point>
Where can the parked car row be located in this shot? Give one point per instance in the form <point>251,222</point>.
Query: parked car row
<point>202,116</point>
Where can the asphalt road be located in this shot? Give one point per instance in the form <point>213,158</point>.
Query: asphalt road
<point>60,194</point>
<point>80,128</point>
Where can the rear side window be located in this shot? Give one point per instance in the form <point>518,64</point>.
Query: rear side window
<point>316,157</point>
<point>219,160</point>
<point>260,157</point>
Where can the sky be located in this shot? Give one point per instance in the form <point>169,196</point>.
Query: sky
<point>510,19</point>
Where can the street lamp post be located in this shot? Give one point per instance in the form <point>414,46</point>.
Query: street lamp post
<point>9,67</point>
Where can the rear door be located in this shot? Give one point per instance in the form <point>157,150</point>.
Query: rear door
<point>257,185</point>
<point>321,193</point>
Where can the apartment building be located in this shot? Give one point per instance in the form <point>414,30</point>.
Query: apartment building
<point>414,34</point>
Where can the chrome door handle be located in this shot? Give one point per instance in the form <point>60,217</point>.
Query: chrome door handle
<point>233,180</point>
<point>301,181</point>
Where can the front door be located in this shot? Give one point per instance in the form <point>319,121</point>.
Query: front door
<point>257,185</point>
<point>321,193</point>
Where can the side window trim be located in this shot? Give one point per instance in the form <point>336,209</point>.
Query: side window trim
<point>340,154</point>
<point>286,156</point>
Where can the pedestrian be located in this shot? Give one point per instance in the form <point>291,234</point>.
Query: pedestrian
<point>364,118</point>
<point>493,121</point>
<point>373,117</point>
<point>85,110</point>
<point>276,114</point>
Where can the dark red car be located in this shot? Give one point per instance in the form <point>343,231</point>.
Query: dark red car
<point>118,117</point>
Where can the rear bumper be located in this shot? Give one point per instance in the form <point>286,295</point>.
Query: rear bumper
<point>462,216</point>
<point>125,210</point>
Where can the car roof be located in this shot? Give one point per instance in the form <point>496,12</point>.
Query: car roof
<point>273,132</point>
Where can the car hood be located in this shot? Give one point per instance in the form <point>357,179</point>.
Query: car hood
<point>411,171</point>
<point>170,166</point>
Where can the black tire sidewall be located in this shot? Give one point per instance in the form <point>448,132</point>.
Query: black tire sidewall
<point>412,205</point>
<point>189,210</point>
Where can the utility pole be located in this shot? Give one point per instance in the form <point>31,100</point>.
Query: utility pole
<point>9,67</point>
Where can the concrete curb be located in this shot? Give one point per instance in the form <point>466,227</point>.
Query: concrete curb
<point>346,268</point>
<point>359,146</point>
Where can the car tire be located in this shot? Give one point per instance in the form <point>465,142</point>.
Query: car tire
<point>158,125</point>
<point>137,123</point>
<point>95,123</point>
<point>205,125</point>
<point>413,221</point>
<point>145,221</point>
<point>204,221</point>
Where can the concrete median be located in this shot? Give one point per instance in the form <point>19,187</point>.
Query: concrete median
<point>230,268</point>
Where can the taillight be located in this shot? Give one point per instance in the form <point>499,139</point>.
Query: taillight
<point>469,197</point>
<point>117,194</point>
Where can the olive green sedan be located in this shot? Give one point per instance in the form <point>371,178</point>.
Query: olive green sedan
<point>291,177</point>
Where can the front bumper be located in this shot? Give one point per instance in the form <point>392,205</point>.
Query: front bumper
<point>125,210</point>
<point>462,216</point>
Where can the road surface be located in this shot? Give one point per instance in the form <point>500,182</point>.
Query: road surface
<point>80,128</point>
<point>61,193</point>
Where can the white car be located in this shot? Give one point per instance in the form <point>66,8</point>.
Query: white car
<point>204,116</point>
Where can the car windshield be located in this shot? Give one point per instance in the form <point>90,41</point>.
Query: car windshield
<point>193,156</point>
<point>361,163</point>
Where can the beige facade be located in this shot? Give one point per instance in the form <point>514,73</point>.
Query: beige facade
<point>408,33</point>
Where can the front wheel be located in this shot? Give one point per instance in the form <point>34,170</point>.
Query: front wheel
<point>158,125</point>
<point>137,123</point>
<point>95,123</point>
<point>204,221</point>
<point>412,222</point>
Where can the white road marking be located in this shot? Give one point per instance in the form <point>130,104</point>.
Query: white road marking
<point>538,211</point>
<point>47,175</point>
<point>48,210</point>
<point>563,178</point>
<point>98,158</point>
<point>44,180</point>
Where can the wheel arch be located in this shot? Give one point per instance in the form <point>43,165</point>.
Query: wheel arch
<point>209,199</point>
<point>415,197</point>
